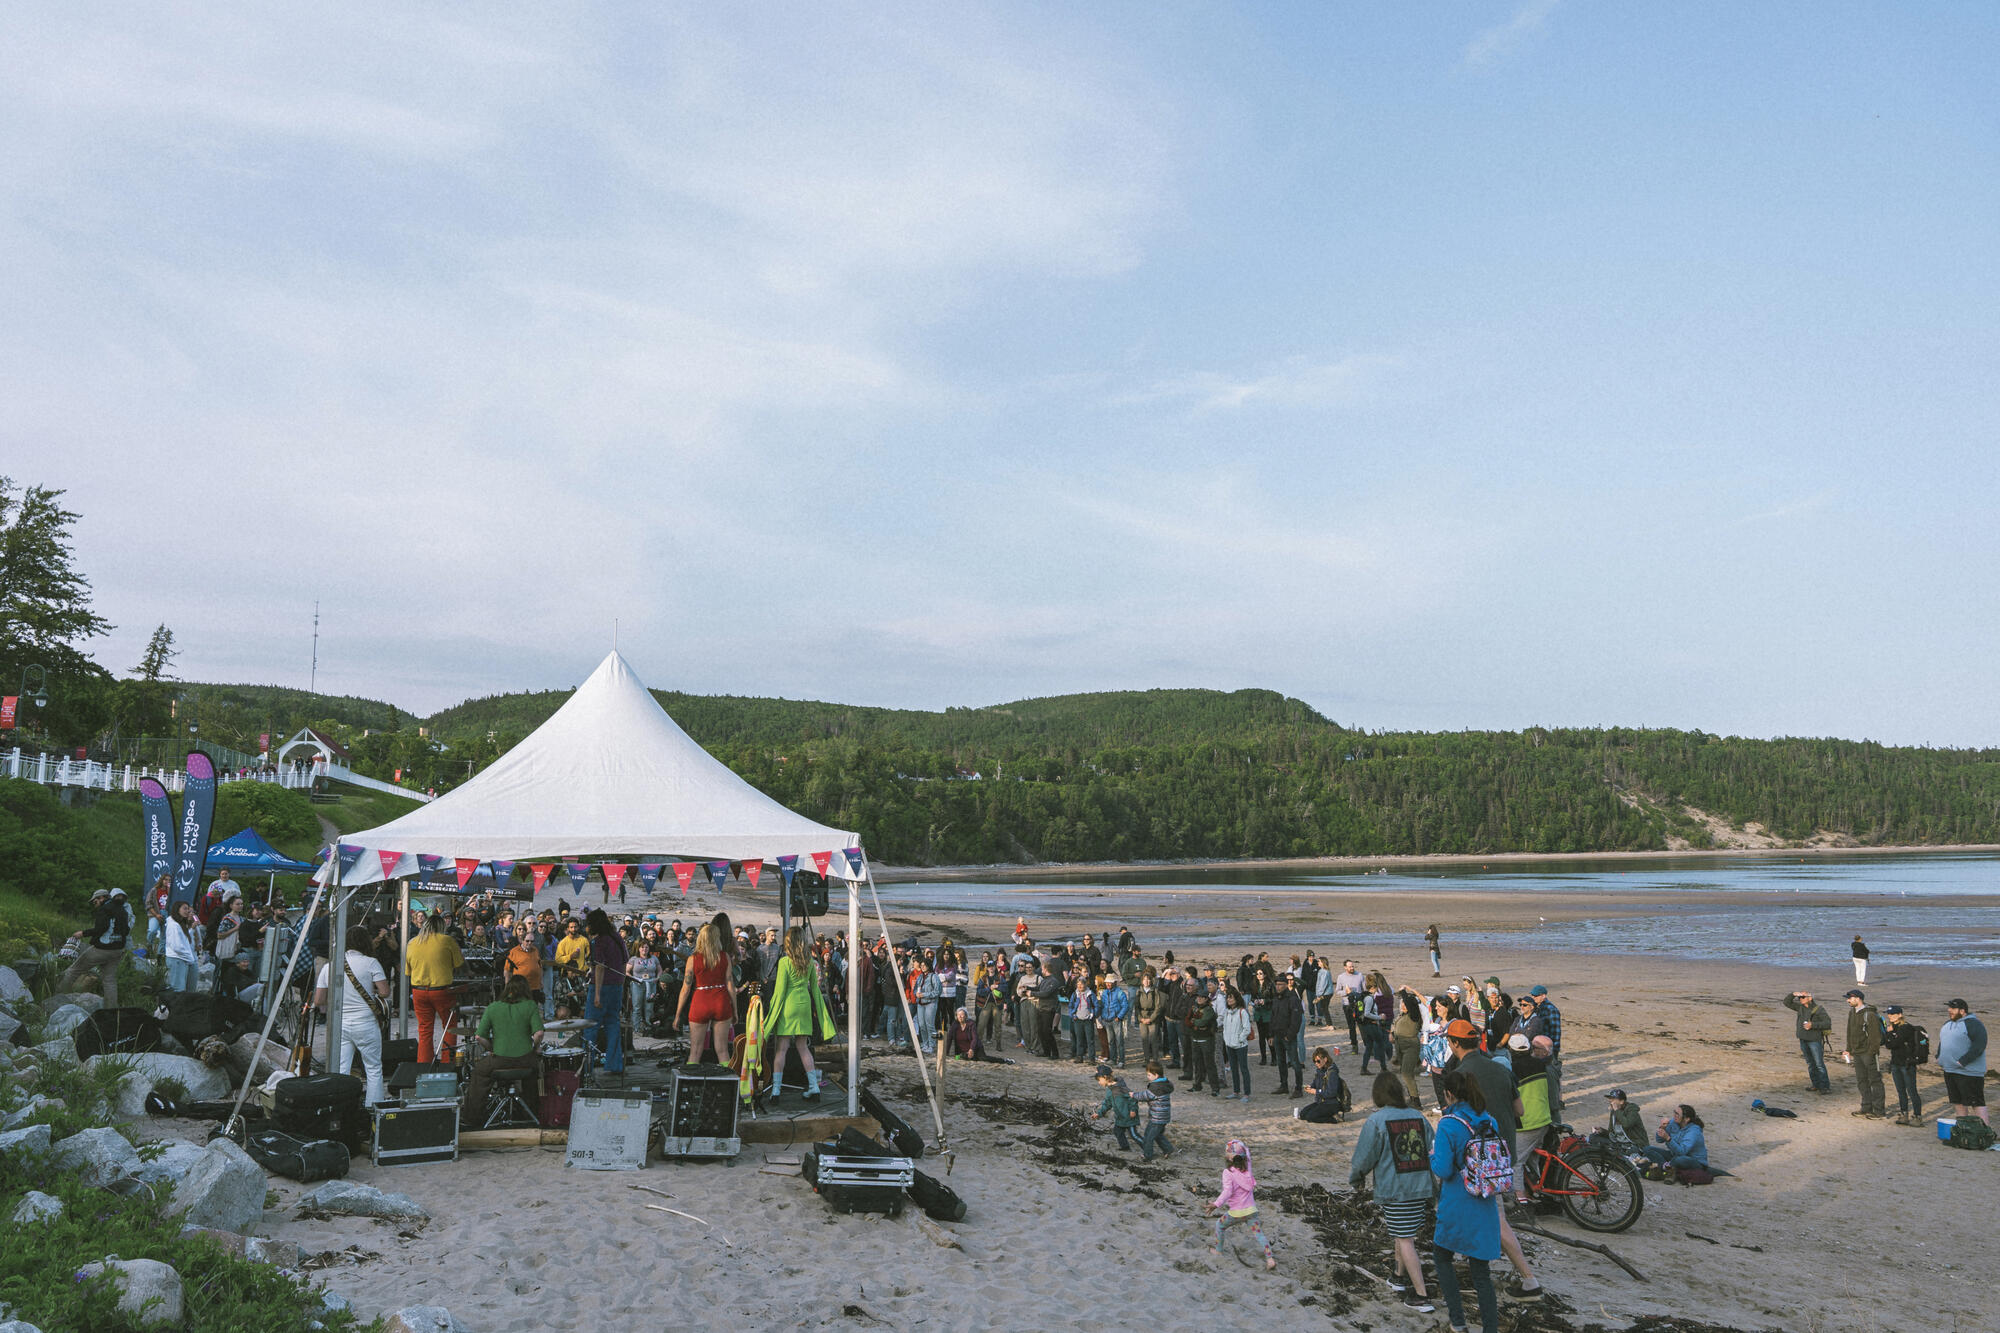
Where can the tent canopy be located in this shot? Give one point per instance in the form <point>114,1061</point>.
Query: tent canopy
<point>610,774</point>
<point>248,851</point>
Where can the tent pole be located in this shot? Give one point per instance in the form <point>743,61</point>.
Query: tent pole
<point>403,971</point>
<point>271,1001</point>
<point>909,1019</point>
<point>853,997</point>
<point>336,977</point>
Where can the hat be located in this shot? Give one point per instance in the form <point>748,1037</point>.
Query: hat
<point>1104,1071</point>
<point>1958,1004</point>
<point>1462,1030</point>
<point>1893,1009</point>
<point>1518,1042</point>
<point>1855,995</point>
<point>117,893</point>
<point>101,893</point>
<point>1618,1094</point>
<point>1453,990</point>
<point>1494,982</point>
<point>1538,990</point>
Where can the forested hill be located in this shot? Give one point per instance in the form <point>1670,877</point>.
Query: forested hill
<point>1171,774</point>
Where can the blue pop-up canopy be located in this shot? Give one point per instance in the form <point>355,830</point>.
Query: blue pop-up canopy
<point>248,851</point>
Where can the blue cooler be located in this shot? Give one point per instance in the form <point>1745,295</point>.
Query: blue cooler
<point>1944,1128</point>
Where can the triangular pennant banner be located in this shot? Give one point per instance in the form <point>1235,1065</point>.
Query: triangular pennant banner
<point>684,872</point>
<point>348,856</point>
<point>502,872</point>
<point>389,860</point>
<point>788,866</point>
<point>649,873</point>
<point>541,871</point>
<point>853,855</point>
<point>821,860</point>
<point>751,870</point>
<point>718,871</point>
<point>427,864</point>
<point>614,874</point>
<point>579,871</point>
<point>467,866</point>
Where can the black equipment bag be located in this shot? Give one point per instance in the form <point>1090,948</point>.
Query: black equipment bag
<point>938,1200</point>
<point>907,1141</point>
<point>192,1015</point>
<point>303,1160</point>
<point>397,1052</point>
<point>118,1032</point>
<point>323,1106</point>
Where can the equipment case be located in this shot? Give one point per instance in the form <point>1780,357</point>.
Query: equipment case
<point>322,1106</point>
<point>701,1113</point>
<point>608,1129</point>
<point>415,1133</point>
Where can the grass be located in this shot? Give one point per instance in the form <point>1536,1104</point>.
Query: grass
<point>359,808</point>
<point>31,925</point>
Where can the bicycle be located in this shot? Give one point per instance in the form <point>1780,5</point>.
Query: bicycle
<point>1600,1190</point>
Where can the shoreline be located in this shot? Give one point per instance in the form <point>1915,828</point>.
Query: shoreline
<point>1057,869</point>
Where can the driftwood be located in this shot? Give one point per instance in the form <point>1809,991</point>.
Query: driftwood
<point>475,1140</point>
<point>939,1236</point>
<point>648,1189</point>
<point>658,1208</point>
<point>1604,1250</point>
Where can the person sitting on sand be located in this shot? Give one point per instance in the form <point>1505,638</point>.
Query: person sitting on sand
<point>963,1041</point>
<point>1324,1108</point>
<point>1626,1127</point>
<point>1681,1144</point>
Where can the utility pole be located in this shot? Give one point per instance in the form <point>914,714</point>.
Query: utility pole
<point>312,682</point>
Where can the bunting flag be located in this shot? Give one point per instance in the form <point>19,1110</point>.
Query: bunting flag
<point>467,866</point>
<point>349,854</point>
<point>502,872</point>
<point>579,873</point>
<point>684,872</point>
<point>389,860</point>
<point>541,871</point>
<point>821,860</point>
<point>751,870</point>
<point>649,873</point>
<point>853,855</point>
<point>718,871</point>
<point>787,867</point>
<point>614,874</point>
<point>427,865</point>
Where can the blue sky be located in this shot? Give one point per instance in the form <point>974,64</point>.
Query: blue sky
<point>1476,366</point>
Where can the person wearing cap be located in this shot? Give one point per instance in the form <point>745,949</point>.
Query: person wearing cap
<point>1902,1038</point>
<point>1962,1059</point>
<point>1811,1028</point>
<point>1864,1041</point>
<point>104,948</point>
<point>1627,1126</point>
<point>1531,1095</point>
<point>1545,1020</point>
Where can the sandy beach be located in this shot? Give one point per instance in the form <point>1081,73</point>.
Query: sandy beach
<point>1828,1223</point>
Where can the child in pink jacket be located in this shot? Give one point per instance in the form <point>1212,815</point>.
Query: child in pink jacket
<point>1238,1201</point>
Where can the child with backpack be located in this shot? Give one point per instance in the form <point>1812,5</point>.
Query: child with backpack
<point>1237,1204</point>
<point>1158,1094</point>
<point>1119,1104</point>
<point>1475,1170</point>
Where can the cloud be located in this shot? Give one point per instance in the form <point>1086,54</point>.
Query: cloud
<point>1296,382</point>
<point>1501,39</point>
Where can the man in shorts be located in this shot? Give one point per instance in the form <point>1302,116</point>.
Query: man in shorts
<point>1962,1058</point>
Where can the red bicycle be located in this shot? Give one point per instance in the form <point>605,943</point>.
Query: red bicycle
<point>1600,1190</point>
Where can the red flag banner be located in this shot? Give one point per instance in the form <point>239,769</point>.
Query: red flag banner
<point>541,874</point>
<point>389,860</point>
<point>264,742</point>
<point>821,860</point>
<point>752,869</point>
<point>684,872</point>
<point>614,874</point>
<point>8,705</point>
<point>468,866</point>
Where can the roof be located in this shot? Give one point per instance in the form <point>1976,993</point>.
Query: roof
<point>610,774</point>
<point>248,851</point>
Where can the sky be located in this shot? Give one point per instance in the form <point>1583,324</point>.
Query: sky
<point>1457,366</point>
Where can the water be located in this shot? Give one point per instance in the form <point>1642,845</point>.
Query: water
<point>1746,909</point>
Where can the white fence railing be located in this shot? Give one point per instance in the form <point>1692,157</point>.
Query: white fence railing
<point>62,771</point>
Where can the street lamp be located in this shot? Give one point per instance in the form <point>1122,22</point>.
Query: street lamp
<point>40,697</point>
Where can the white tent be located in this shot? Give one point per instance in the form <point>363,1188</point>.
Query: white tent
<point>609,775</point>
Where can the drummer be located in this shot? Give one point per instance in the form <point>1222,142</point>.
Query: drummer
<point>510,1033</point>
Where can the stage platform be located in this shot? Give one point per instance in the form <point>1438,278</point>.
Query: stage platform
<point>790,1121</point>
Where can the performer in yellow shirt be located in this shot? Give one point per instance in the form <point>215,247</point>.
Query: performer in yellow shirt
<point>431,961</point>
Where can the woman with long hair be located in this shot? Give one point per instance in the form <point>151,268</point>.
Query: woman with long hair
<point>1395,1149</point>
<point>1238,1026</point>
<point>798,1014</point>
<point>708,997</point>
<point>183,955</point>
<point>604,987</point>
<point>1467,1223</point>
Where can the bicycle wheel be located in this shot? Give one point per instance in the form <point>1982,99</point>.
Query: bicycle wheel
<point>1606,1194</point>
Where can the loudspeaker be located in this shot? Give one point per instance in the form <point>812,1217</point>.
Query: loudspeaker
<point>416,1132</point>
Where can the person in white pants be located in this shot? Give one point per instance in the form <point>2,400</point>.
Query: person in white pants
<point>1860,962</point>
<point>364,984</point>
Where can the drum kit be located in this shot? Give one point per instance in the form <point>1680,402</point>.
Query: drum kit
<point>566,1046</point>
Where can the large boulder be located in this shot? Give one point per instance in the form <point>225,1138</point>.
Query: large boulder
<point>25,1112</point>
<point>129,1098</point>
<point>225,1190</point>
<point>62,1050</point>
<point>88,1001</point>
<point>102,1155</point>
<point>65,1020</point>
<point>422,1319</point>
<point>11,985</point>
<point>350,1198</point>
<point>172,1165</point>
<point>36,1206</point>
<point>18,1326</point>
<point>149,1292</point>
<point>9,1025</point>
<point>35,1138</point>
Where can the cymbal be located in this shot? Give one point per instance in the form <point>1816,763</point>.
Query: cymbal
<point>567,1025</point>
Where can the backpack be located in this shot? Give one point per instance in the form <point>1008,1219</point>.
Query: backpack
<point>1920,1045</point>
<point>1489,1166</point>
<point>1971,1132</point>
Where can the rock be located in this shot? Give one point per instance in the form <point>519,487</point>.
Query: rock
<point>11,985</point>
<point>9,1025</point>
<point>202,1083</point>
<point>18,1326</point>
<point>62,1050</point>
<point>65,1020</point>
<point>277,1253</point>
<point>25,1112</point>
<point>35,1138</point>
<point>422,1319</point>
<point>350,1198</point>
<point>27,968</point>
<point>88,1001</point>
<point>37,1207</point>
<point>224,1190</point>
<point>103,1155</point>
<point>172,1165</point>
<point>270,1057</point>
<point>333,1300</point>
<point>228,1240</point>
<point>148,1290</point>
